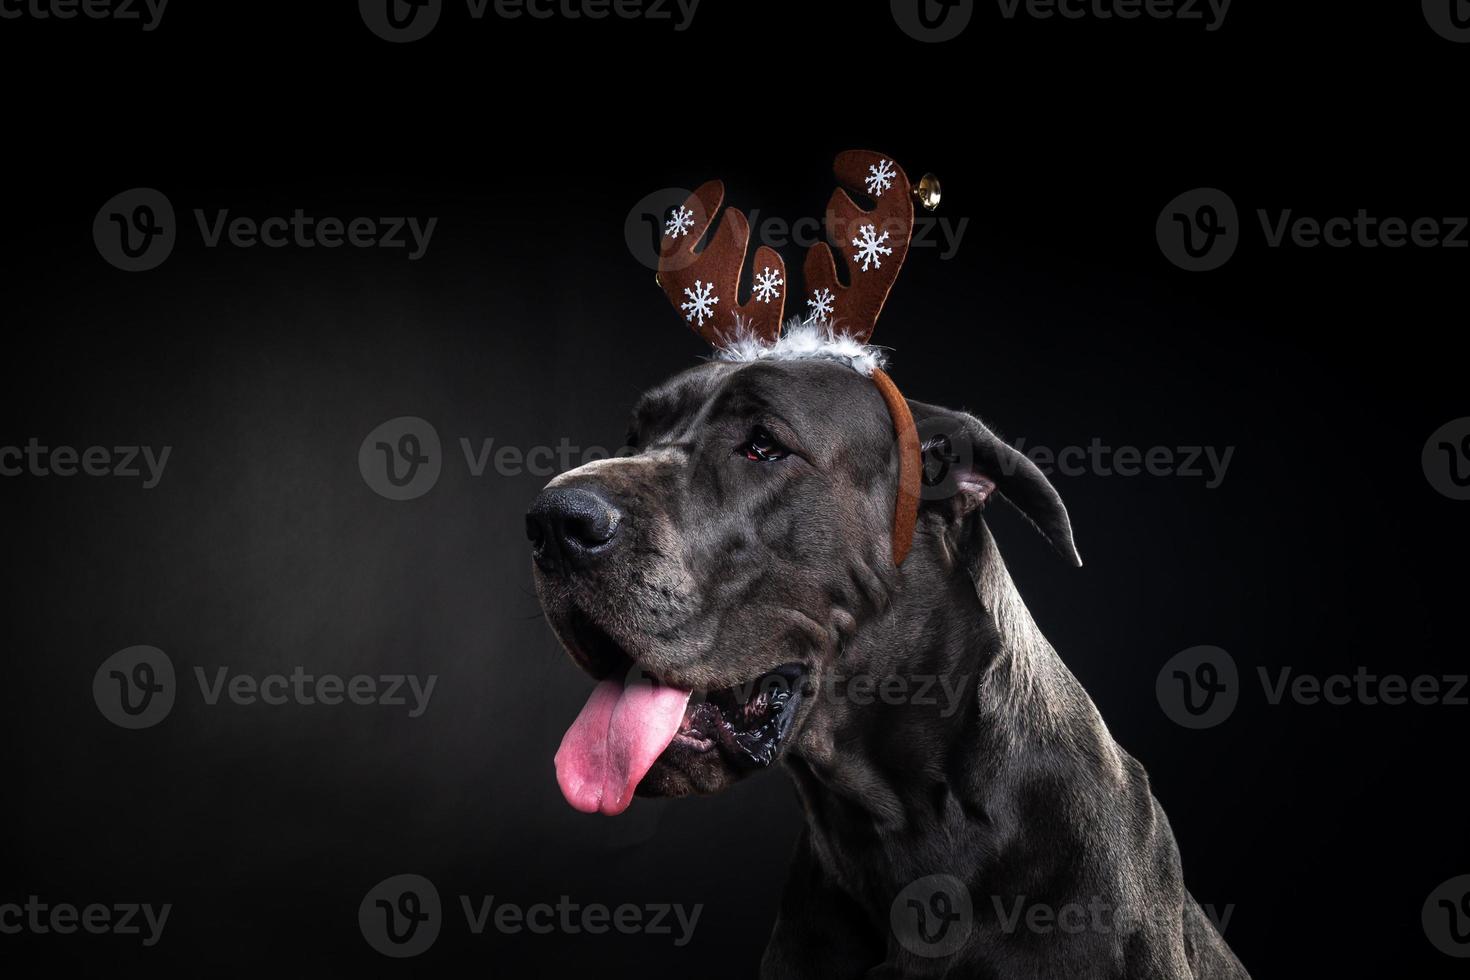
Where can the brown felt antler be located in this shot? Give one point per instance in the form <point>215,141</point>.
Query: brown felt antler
<point>704,286</point>
<point>873,244</point>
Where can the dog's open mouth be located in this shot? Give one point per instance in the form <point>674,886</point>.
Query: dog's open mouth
<point>747,722</point>
<point>631,719</point>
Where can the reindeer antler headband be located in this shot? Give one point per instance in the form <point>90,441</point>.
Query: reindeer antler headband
<point>704,287</point>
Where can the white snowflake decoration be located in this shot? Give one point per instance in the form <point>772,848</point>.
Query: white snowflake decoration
<point>768,285</point>
<point>819,307</point>
<point>701,303</point>
<point>870,247</point>
<point>679,223</point>
<point>880,177</point>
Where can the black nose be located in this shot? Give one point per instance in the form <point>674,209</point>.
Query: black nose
<point>569,526</point>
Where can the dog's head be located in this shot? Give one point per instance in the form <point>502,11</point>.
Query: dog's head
<point>711,575</point>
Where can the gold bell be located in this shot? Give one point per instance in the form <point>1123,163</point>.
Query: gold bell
<point>927,192</point>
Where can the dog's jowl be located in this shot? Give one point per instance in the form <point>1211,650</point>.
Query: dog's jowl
<point>775,572</point>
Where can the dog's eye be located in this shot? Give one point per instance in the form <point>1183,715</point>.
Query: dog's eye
<point>763,447</point>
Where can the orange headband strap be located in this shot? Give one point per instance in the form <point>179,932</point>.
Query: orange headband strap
<point>910,465</point>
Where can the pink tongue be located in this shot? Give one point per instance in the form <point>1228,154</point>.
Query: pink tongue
<point>615,741</point>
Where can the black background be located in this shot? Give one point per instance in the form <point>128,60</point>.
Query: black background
<point>1059,320</point>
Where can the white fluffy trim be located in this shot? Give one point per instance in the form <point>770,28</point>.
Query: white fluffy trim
<point>802,341</point>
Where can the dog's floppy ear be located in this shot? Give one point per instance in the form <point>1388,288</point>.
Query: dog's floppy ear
<point>965,464</point>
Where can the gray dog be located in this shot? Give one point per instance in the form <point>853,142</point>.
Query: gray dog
<point>739,557</point>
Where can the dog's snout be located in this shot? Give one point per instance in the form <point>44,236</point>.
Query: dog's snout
<point>569,526</point>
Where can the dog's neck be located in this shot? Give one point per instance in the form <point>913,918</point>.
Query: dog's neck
<point>972,687</point>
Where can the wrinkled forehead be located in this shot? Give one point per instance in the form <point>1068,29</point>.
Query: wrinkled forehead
<point>820,402</point>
